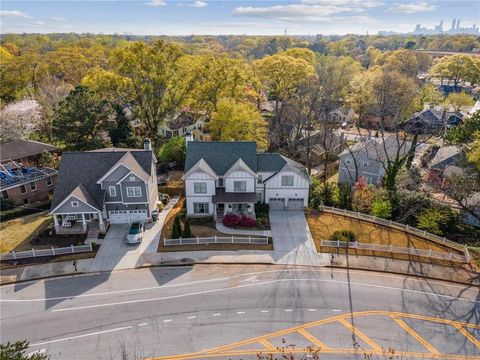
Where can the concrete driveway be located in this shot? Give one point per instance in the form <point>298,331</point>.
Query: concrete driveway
<point>115,254</point>
<point>292,240</point>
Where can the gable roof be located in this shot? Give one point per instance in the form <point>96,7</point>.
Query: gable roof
<point>17,149</point>
<point>375,149</point>
<point>83,169</point>
<point>269,162</point>
<point>430,115</point>
<point>445,153</point>
<point>129,161</point>
<point>221,155</point>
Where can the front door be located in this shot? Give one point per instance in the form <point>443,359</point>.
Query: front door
<point>239,208</point>
<point>220,208</point>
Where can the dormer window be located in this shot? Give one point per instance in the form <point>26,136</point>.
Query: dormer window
<point>74,203</point>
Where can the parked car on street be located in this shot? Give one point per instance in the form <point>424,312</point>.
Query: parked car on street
<point>135,233</point>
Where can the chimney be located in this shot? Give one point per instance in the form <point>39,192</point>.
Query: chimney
<point>188,137</point>
<point>147,145</point>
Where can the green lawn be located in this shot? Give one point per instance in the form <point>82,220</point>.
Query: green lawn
<point>16,231</point>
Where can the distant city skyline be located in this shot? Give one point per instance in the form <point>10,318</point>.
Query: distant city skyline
<point>454,29</point>
<point>239,17</point>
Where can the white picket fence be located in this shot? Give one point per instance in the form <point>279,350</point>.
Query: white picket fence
<point>46,252</point>
<point>397,250</point>
<point>393,224</point>
<point>216,240</point>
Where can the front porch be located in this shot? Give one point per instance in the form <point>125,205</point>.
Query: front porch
<point>79,223</point>
<point>240,203</point>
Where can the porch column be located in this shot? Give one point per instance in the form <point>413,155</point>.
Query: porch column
<point>84,222</point>
<point>55,220</point>
<point>101,224</point>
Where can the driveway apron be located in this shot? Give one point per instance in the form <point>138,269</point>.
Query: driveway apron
<point>292,240</point>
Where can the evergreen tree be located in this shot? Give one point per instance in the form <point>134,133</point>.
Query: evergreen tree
<point>177,228</point>
<point>80,120</point>
<point>187,233</point>
<point>122,134</point>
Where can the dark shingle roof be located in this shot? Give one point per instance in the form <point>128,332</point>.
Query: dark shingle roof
<point>376,149</point>
<point>85,168</point>
<point>17,149</point>
<point>268,162</point>
<point>221,155</point>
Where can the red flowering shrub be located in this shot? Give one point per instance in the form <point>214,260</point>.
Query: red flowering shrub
<point>231,220</point>
<point>246,221</point>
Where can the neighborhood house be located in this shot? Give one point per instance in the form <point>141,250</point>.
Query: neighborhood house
<point>106,186</point>
<point>230,177</point>
<point>368,158</point>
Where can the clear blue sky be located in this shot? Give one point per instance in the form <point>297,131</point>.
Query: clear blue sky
<point>178,17</point>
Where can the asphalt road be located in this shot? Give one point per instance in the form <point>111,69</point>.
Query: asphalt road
<point>169,311</point>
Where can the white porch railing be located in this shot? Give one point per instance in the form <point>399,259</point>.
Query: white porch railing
<point>396,250</point>
<point>46,252</point>
<point>393,224</point>
<point>216,240</point>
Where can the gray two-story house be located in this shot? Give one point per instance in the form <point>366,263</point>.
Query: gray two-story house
<point>106,186</point>
<point>369,158</point>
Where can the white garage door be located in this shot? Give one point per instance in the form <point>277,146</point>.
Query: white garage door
<point>295,204</point>
<point>118,217</point>
<point>276,204</point>
<point>138,215</point>
<point>124,216</point>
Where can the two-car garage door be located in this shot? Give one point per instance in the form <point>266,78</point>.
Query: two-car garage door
<point>127,216</point>
<point>291,205</point>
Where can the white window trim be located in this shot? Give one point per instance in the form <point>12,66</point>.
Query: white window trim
<point>114,192</point>
<point>287,177</point>
<point>365,163</point>
<point>206,207</point>
<point>239,182</point>
<point>132,178</point>
<point>199,183</point>
<point>32,185</point>
<point>74,204</point>
<point>133,188</point>
<point>49,181</point>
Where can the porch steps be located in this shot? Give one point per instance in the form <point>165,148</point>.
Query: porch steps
<point>92,235</point>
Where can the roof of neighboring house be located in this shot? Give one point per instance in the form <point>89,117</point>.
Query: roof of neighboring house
<point>475,108</point>
<point>375,148</point>
<point>221,155</point>
<point>183,119</point>
<point>18,149</point>
<point>430,115</point>
<point>443,154</point>
<point>80,171</point>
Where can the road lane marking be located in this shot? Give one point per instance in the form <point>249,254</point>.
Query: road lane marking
<point>240,312</point>
<point>264,311</point>
<point>143,324</point>
<point>268,345</point>
<point>167,320</point>
<point>313,339</point>
<point>412,332</point>
<point>260,284</point>
<point>467,335</point>
<point>81,336</point>
<point>336,310</point>
<point>192,317</point>
<point>37,352</point>
<point>216,314</point>
<point>360,334</point>
<point>238,348</point>
<point>311,310</point>
<point>342,271</point>
<point>288,310</point>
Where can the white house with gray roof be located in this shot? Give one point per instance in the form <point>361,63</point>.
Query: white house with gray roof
<point>112,185</point>
<point>230,177</point>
